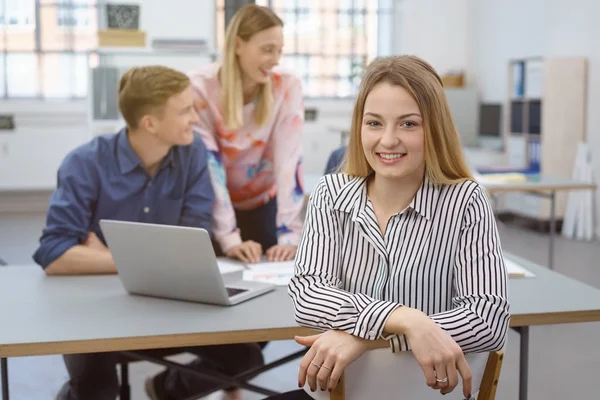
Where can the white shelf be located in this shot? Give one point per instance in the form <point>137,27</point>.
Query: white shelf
<point>559,84</point>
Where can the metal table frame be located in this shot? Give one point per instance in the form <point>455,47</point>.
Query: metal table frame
<point>222,381</point>
<point>550,195</point>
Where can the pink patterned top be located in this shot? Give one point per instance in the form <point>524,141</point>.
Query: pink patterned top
<point>252,165</point>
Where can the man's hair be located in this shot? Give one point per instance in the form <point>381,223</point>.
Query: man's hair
<point>144,90</point>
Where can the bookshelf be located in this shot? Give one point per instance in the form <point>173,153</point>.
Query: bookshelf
<point>107,65</point>
<point>544,124</point>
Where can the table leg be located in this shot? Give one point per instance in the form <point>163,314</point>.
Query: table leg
<point>523,362</point>
<point>4,368</point>
<point>220,381</point>
<point>552,229</point>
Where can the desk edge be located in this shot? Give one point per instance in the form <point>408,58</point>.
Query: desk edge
<point>539,188</point>
<point>554,318</point>
<point>150,342</point>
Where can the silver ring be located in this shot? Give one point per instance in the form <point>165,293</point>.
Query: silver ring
<point>326,367</point>
<point>442,380</point>
<point>316,365</point>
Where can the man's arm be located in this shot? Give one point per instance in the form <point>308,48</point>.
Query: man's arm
<point>90,258</point>
<point>82,260</point>
<point>65,245</point>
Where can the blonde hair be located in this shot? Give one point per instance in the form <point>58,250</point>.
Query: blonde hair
<point>444,160</point>
<point>144,90</point>
<point>246,22</point>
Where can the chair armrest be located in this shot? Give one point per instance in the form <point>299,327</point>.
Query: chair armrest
<point>339,392</point>
<point>489,383</point>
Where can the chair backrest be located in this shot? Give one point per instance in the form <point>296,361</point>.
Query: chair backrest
<point>381,374</point>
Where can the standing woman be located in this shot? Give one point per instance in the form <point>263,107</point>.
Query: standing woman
<point>251,119</point>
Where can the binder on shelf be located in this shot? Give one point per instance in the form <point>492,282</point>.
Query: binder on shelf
<point>535,153</point>
<point>518,79</point>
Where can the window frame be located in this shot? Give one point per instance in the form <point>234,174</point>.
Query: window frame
<point>40,51</point>
<point>346,85</point>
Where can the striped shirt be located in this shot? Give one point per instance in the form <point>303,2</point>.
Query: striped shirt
<point>441,255</point>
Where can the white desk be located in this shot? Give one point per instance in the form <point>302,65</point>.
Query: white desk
<point>63,315</point>
<point>541,186</point>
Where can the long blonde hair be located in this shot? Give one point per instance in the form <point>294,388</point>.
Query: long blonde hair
<point>247,21</point>
<point>444,159</point>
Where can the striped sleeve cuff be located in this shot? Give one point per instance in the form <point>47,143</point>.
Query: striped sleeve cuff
<point>398,342</point>
<point>371,320</point>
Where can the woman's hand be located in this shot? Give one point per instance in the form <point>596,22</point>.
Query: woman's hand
<point>248,251</point>
<point>330,353</point>
<point>282,252</point>
<point>440,357</point>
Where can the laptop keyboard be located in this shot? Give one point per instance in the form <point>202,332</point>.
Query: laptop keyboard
<point>233,291</point>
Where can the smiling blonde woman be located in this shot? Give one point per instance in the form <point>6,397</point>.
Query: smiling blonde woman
<point>401,250</point>
<point>251,119</point>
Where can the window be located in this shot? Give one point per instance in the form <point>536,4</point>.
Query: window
<point>16,14</point>
<point>328,43</point>
<point>43,47</point>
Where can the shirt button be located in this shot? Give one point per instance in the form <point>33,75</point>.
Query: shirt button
<point>146,210</point>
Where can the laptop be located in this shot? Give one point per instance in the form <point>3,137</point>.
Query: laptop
<point>173,262</point>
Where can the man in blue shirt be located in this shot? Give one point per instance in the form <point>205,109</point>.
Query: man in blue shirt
<point>154,170</point>
<point>335,160</point>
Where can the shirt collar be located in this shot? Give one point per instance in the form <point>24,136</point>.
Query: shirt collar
<point>426,198</point>
<point>352,198</point>
<point>129,160</point>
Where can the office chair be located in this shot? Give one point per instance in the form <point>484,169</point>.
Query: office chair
<point>383,375</point>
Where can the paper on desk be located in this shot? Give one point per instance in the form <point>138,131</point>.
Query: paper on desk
<point>516,271</point>
<point>511,177</point>
<point>278,273</point>
<point>229,266</point>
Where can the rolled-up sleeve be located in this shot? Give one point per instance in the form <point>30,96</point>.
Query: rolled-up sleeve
<point>199,195</point>
<point>70,210</point>
<point>319,301</point>
<point>479,320</point>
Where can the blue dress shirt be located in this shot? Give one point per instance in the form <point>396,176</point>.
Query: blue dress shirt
<point>335,160</point>
<point>105,179</point>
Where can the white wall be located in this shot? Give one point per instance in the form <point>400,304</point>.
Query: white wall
<point>437,31</point>
<point>46,131</point>
<point>30,156</point>
<point>519,28</point>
